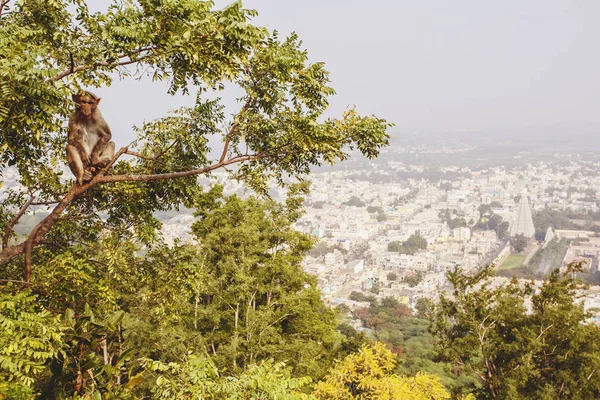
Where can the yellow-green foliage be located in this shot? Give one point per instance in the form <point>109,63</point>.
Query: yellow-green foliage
<point>368,374</point>
<point>199,378</point>
<point>29,337</point>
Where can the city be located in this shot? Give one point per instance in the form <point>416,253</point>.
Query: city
<point>466,215</point>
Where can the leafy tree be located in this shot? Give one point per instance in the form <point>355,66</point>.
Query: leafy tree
<point>375,288</point>
<point>414,279</point>
<point>519,243</point>
<point>198,377</point>
<point>374,209</point>
<point>368,374</point>
<point>546,352</point>
<point>242,292</point>
<point>453,222</point>
<point>556,219</point>
<point>59,47</point>
<point>108,291</point>
<point>502,230</point>
<point>406,336</point>
<point>353,339</point>
<point>381,217</point>
<point>414,243</point>
<point>354,201</point>
<point>392,276</point>
<point>410,246</point>
<point>322,248</point>
<point>359,296</point>
<point>484,209</point>
<point>386,319</point>
<point>395,246</point>
<point>423,307</point>
<point>493,222</point>
<point>31,337</point>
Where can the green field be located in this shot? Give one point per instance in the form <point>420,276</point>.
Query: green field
<point>513,261</point>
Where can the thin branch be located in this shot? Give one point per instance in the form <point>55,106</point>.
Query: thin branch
<point>12,280</point>
<point>173,175</point>
<point>71,62</point>
<point>102,63</point>
<point>3,4</point>
<point>44,203</point>
<point>42,228</point>
<point>14,220</point>
<point>159,155</point>
<point>155,157</point>
<point>49,243</point>
<point>232,131</point>
<point>139,155</point>
<point>274,322</point>
<point>544,331</point>
<point>71,217</point>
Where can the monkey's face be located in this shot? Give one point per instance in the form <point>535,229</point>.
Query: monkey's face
<point>86,106</point>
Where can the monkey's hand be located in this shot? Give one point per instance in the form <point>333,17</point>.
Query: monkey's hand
<point>87,175</point>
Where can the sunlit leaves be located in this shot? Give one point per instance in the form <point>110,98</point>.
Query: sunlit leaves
<point>368,374</point>
<point>30,337</point>
<point>245,275</point>
<point>544,350</point>
<point>198,377</point>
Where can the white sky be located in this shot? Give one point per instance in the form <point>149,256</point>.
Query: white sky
<point>429,65</point>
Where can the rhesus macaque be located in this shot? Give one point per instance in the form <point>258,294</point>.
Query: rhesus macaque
<point>90,147</point>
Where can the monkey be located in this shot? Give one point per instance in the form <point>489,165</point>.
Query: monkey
<point>89,142</point>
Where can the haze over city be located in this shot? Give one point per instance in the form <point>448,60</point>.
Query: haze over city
<point>467,68</point>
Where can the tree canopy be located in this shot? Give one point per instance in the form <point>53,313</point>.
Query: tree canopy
<point>368,374</point>
<point>410,246</point>
<point>92,301</point>
<point>521,341</point>
<point>49,50</point>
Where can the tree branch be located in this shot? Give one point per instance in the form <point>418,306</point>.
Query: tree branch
<point>102,63</point>
<point>12,281</point>
<point>139,155</point>
<point>38,233</point>
<point>155,157</point>
<point>14,220</point>
<point>174,175</point>
<point>232,131</point>
<point>542,331</point>
<point>159,155</point>
<point>44,203</point>
<point>3,4</point>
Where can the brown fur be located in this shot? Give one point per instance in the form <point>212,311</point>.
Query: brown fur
<point>90,146</point>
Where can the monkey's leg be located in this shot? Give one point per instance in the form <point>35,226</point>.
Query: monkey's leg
<point>107,155</point>
<point>75,163</point>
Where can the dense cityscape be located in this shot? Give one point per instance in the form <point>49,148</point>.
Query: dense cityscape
<point>463,216</point>
<point>394,229</point>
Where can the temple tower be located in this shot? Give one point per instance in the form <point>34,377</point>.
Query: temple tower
<point>522,221</point>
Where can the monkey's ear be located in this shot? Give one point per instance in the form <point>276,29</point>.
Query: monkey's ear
<point>98,100</point>
<point>75,98</point>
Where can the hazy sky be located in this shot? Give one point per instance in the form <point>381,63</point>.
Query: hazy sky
<point>432,65</point>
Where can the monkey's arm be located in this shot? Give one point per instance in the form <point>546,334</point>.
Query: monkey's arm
<point>104,136</point>
<point>74,139</point>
